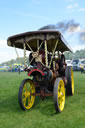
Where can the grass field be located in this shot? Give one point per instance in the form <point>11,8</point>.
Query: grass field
<point>43,113</point>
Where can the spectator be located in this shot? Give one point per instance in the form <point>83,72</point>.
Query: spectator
<point>19,69</point>
<point>82,68</point>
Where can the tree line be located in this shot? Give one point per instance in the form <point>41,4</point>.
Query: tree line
<point>79,54</point>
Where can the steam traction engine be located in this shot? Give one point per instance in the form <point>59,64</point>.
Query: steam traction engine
<point>47,67</point>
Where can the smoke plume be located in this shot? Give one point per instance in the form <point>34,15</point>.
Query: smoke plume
<point>69,26</point>
<point>50,26</point>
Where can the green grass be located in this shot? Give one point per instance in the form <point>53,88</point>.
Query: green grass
<point>43,112</point>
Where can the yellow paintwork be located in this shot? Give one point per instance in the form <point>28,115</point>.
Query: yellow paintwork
<point>72,80</point>
<point>61,95</point>
<point>27,98</point>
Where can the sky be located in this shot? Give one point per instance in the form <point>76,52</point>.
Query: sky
<point>18,16</point>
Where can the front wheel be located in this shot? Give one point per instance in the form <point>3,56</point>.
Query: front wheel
<point>59,95</point>
<point>25,97</point>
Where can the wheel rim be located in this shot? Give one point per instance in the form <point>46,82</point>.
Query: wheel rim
<point>61,95</point>
<point>72,80</point>
<point>27,97</point>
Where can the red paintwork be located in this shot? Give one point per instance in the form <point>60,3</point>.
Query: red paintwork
<point>30,72</point>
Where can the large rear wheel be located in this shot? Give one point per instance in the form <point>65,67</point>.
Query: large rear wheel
<point>59,95</point>
<point>25,97</point>
<point>70,81</point>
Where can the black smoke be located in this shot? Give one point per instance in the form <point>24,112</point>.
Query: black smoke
<point>48,27</point>
<point>63,26</point>
<point>67,26</point>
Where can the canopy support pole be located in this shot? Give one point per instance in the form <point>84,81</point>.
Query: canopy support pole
<point>46,54</point>
<point>25,59</point>
<point>16,52</point>
<point>37,44</point>
<point>53,53</point>
<point>29,46</point>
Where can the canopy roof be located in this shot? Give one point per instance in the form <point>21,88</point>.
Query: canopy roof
<point>51,36</point>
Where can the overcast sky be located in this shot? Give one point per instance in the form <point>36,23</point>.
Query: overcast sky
<point>18,16</point>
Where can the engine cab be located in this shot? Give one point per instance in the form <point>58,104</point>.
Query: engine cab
<point>41,74</point>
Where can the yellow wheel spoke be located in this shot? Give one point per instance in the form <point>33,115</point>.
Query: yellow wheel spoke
<point>24,101</point>
<point>29,99</point>
<point>23,94</point>
<point>25,88</point>
<point>59,95</point>
<point>60,103</point>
